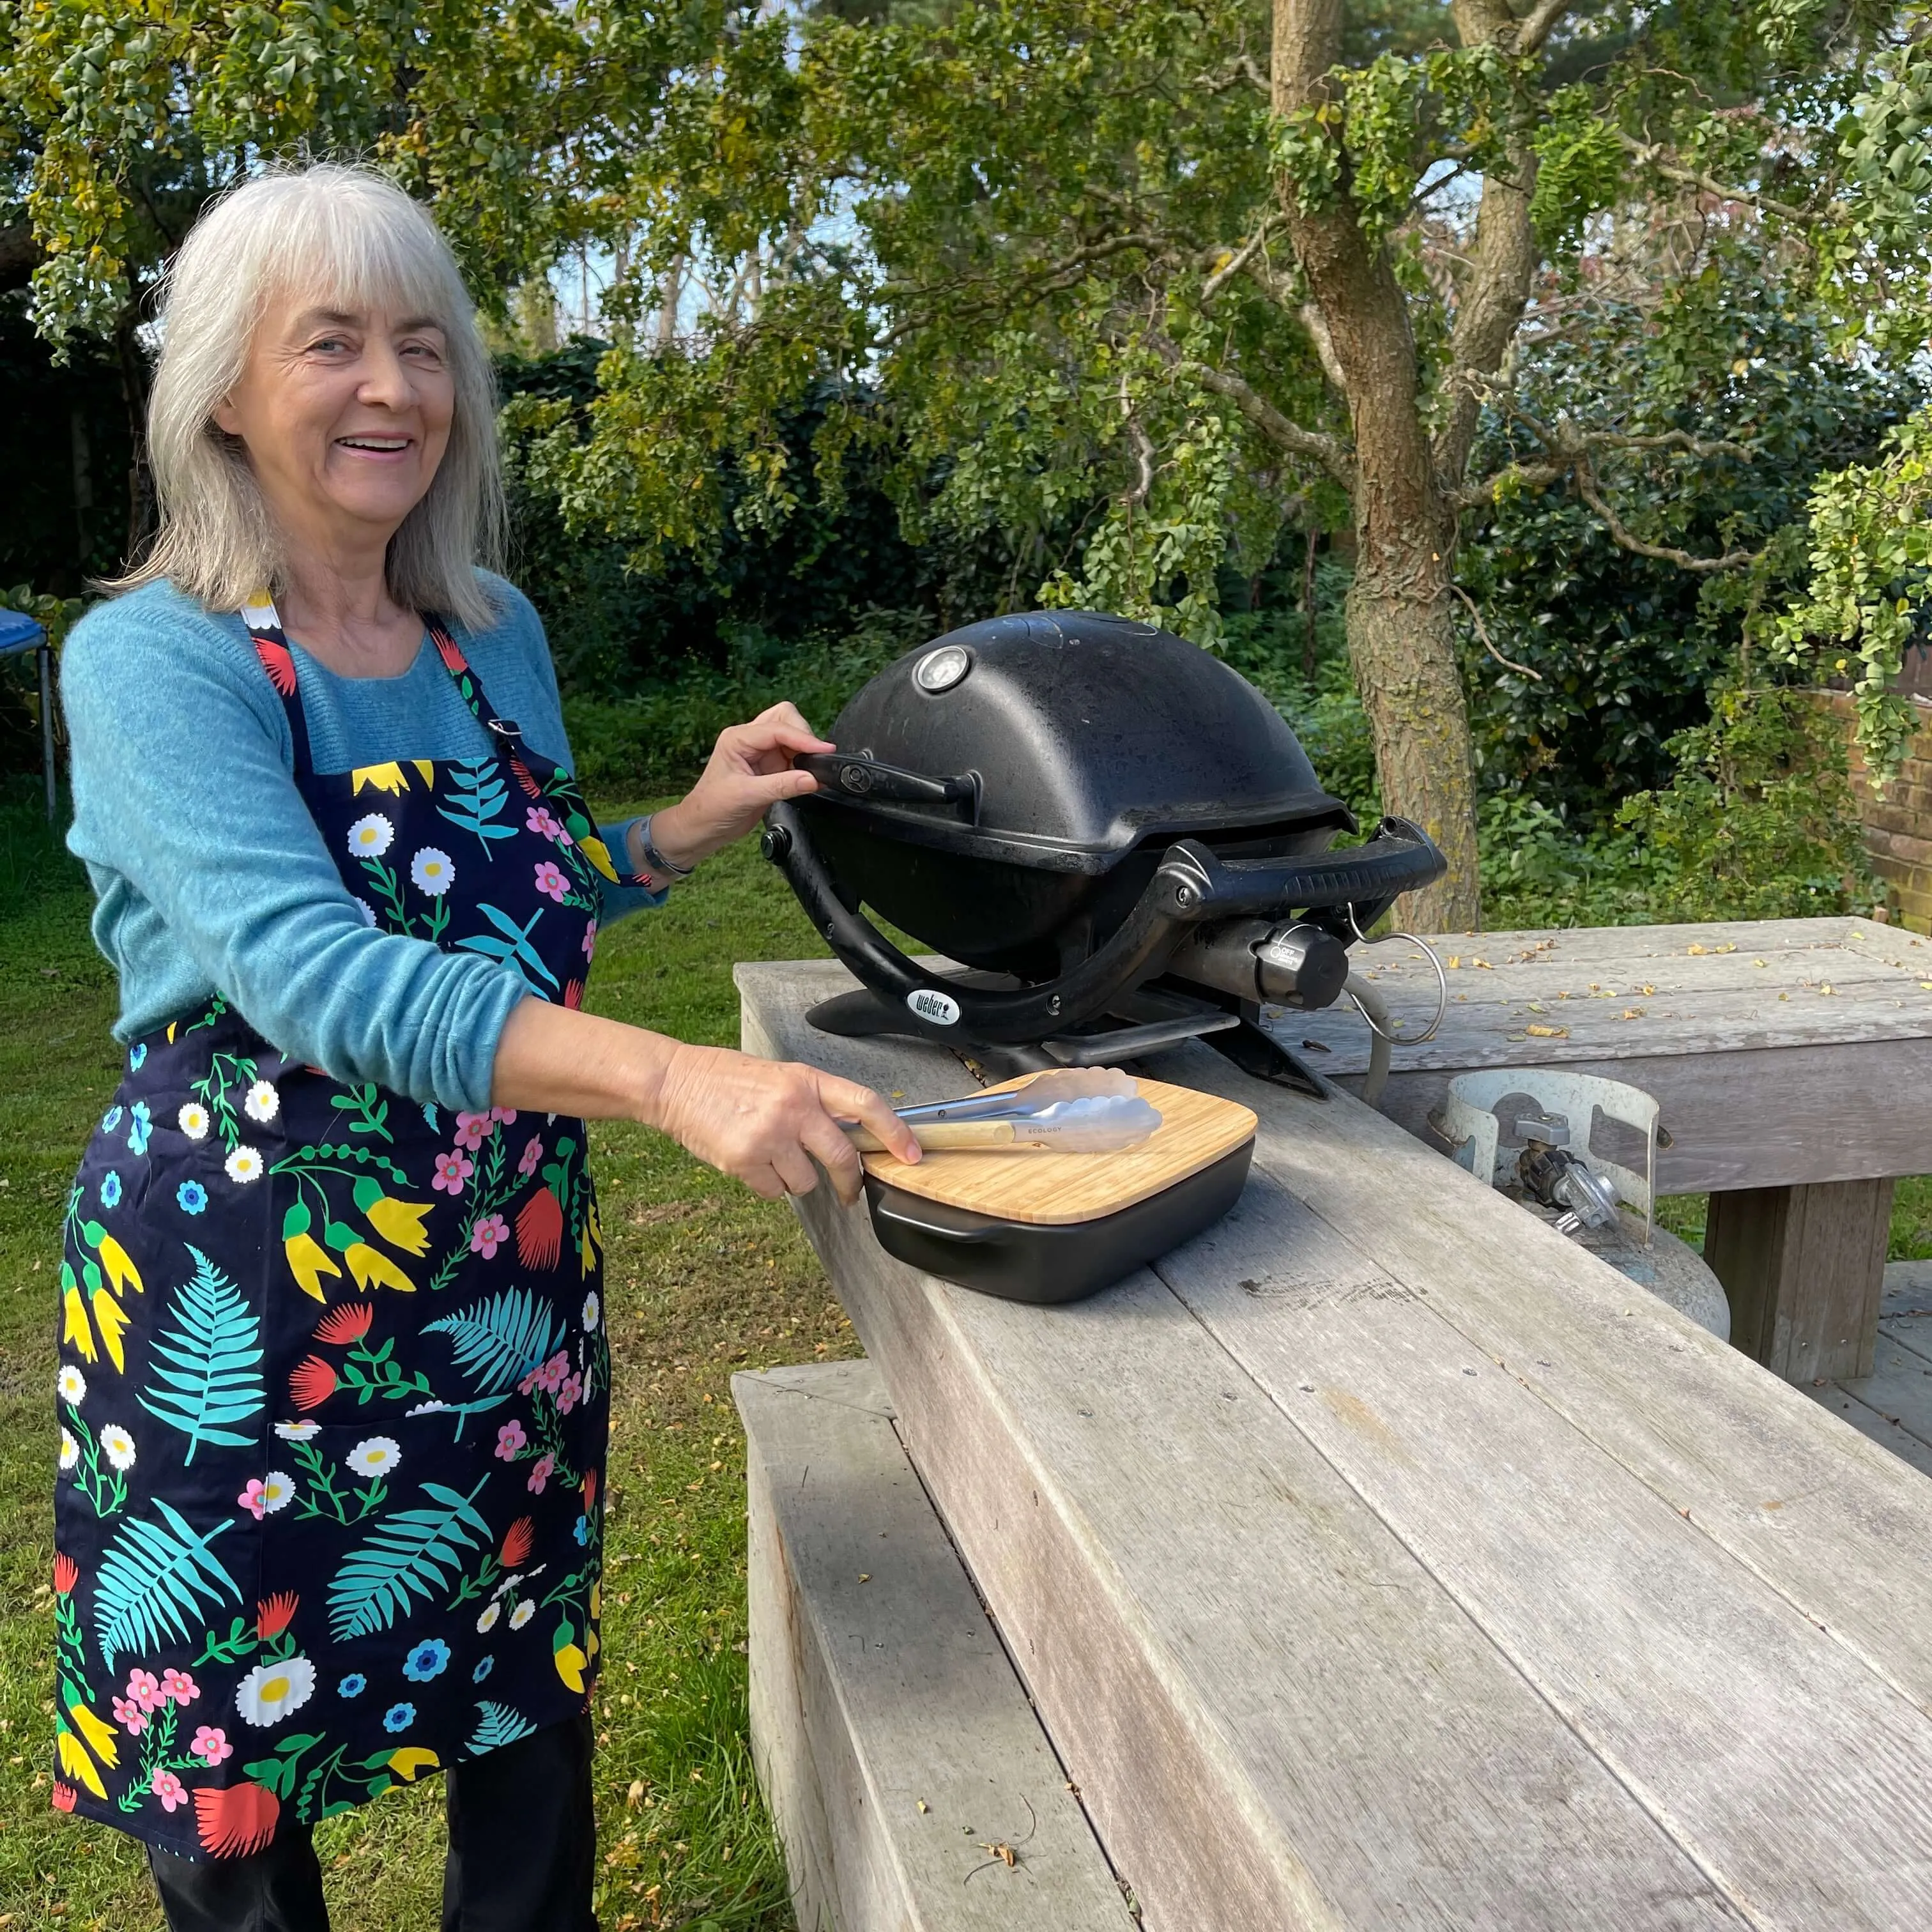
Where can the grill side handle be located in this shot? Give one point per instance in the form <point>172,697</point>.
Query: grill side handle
<point>1190,885</point>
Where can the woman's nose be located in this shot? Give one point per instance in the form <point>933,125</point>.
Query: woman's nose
<point>386,378</point>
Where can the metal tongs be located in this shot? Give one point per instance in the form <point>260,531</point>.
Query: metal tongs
<point>1076,1110</point>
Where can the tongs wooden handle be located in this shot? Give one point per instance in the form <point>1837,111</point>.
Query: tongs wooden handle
<point>938,1136</point>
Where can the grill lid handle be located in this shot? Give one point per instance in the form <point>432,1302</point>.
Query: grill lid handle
<point>854,779</point>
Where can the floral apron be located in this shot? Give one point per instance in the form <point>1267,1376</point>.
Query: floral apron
<point>334,1388</point>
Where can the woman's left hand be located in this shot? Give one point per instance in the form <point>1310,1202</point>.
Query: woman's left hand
<point>750,768</point>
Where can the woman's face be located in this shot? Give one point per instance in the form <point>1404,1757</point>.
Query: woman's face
<point>345,417</point>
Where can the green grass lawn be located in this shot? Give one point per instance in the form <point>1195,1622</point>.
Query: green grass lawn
<point>703,1279</point>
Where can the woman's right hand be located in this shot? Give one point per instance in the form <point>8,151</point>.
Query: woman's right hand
<point>764,1122</point>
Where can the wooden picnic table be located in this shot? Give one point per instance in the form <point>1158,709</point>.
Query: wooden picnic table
<point>1382,1558</point>
<point>1792,1059</point>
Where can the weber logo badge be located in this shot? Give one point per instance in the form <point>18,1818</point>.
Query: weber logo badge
<point>935,1008</point>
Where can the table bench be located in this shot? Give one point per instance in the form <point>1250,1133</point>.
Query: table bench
<point>1792,1059</point>
<point>1381,1558</point>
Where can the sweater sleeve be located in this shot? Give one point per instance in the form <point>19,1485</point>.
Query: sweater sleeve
<point>183,788</point>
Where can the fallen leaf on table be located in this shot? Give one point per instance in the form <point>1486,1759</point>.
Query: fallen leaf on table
<point>1826,987</point>
<point>1730,946</point>
<point>1925,985</point>
<point>1632,1012</point>
<point>1693,950</point>
<point>1647,990</point>
<point>1538,1006</point>
<point>1547,1032</point>
<point>1760,962</point>
<point>1454,960</point>
<point>1484,964</point>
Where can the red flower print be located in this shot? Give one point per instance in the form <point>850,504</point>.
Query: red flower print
<point>347,1321</point>
<point>452,1170</point>
<point>517,1542</point>
<point>589,1490</point>
<point>169,1789</point>
<point>311,1382</point>
<point>573,995</point>
<point>210,1745</point>
<point>129,1715</point>
<point>236,1819</point>
<point>540,1230</point>
<point>67,1574</point>
<point>144,1687</point>
<point>510,1438</point>
<point>273,1616</point>
<point>447,649</point>
<point>550,882</point>
<point>278,663</point>
<point>521,772</point>
<point>473,1129</point>
<point>63,1796</point>
<point>540,1474</point>
<point>180,1686</point>
<point>532,1154</point>
<point>488,1235</point>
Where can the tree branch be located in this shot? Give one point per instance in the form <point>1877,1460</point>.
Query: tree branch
<point>1621,536</point>
<point>1241,68</point>
<point>1483,632</point>
<point>1235,263</point>
<point>1535,26</point>
<point>1652,156</point>
<point>1314,445</point>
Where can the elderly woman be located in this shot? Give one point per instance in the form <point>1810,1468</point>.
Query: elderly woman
<point>335,1380</point>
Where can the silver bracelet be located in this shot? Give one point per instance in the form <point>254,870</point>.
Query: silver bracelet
<point>655,861</point>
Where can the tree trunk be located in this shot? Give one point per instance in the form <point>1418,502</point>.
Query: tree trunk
<point>1401,633</point>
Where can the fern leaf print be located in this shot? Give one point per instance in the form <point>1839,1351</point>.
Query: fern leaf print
<point>157,1574</point>
<point>412,1554</point>
<point>497,1725</point>
<point>207,1369</point>
<point>499,1341</point>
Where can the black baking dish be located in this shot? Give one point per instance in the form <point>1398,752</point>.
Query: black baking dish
<point>1052,1262</point>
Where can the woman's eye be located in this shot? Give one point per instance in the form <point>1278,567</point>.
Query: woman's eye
<point>328,346</point>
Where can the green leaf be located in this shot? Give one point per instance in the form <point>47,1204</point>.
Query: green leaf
<point>213,1376</point>
<point>413,1553</point>
<point>156,1576</point>
<point>499,1341</point>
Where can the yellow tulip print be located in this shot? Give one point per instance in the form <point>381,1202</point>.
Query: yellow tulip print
<point>121,1270</point>
<point>308,1262</point>
<point>598,853</point>
<point>411,1758</point>
<point>75,1761</point>
<point>111,1319</point>
<point>400,1223</point>
<point>77,1328</point>
<point>374,1269</point>
<point>101,1738</point>
<point>387,778</point>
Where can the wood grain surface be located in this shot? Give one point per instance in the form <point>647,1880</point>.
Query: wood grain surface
<point>892,1740</point>
<point>1059,1190</point>
<point>1385,1559</point>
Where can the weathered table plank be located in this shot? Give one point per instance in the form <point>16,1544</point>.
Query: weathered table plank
<point>892,1740</point>
<point>1893,1404</point>
<point>1162,1662</point>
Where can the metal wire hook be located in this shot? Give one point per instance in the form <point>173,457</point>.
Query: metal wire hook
<point>1442,986</point>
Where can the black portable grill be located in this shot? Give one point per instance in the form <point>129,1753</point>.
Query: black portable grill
<point>1115,835</point>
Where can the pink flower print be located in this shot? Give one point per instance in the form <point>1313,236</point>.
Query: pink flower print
<point>473,1129</point>
<point>533,1154</point>
<point>570,1394</point>
<point>550,1377</point>
<point>129,1716</point>
<point>508,1115</point>
<point>210,1745</point>
<point>510,1438</point>
<point>251,1498</point>
<point>452,1170</point>
<point>541,820</point>
<point>169,1789</point>
<point>488,1235</point>
<point>144,1688</point>
<point>540,1474</point>
<point>180,1686</point>
<point>590,940</point>
<point>550,882</point>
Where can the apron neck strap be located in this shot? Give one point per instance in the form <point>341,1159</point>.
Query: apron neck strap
<point>271,647</point>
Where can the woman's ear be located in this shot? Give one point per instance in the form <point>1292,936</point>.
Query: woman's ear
<point>226,418</point>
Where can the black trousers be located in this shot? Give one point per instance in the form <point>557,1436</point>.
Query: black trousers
<point>522,1854</point>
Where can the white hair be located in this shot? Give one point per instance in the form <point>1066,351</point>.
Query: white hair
<point>342,238</point>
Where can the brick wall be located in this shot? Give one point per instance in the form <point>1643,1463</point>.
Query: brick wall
<point>1898,826</point>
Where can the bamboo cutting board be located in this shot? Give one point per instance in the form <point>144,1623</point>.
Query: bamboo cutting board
<point>1054,1189</point>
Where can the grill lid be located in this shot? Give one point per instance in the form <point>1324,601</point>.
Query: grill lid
<point>1065,739</point>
